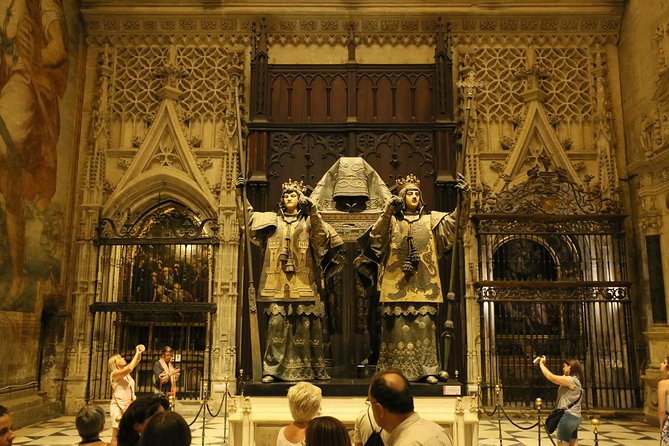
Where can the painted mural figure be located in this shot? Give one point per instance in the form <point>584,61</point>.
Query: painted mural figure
<point>33,77</point>
<point>298,246</point>
<point>406,242</point>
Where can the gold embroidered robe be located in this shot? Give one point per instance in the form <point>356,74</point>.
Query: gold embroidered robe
<point>294,337</point>
<point>409,301</point>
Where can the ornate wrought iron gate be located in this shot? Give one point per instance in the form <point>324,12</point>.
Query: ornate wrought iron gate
<point>555,285</point>
<point>154,288</point>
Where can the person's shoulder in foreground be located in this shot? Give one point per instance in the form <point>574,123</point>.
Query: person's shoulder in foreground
<point>392,404</point>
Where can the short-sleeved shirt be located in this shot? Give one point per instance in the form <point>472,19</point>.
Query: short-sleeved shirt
<point>566,396</point>
<point>281,439</point>
<point>123,391</point>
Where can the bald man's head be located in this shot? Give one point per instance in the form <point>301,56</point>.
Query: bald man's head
<point>392,390</point>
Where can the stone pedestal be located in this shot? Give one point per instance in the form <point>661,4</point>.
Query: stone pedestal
<point>28,406</point>
<point>260,418</point>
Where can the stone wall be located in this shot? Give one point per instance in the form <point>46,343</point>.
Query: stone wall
<point>644,52</point>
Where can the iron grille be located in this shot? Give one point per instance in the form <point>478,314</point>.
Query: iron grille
<point>154,288</point>
<point>556,287</point>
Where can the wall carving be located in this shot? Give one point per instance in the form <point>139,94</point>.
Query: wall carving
<point>547,193</point>
<point>565,79</point>
<point>652,158</point>
<point>651,224</point>
<point>571,85</point>
<point>204,77</point>
<point>131,88</point>
<point>331,29</point>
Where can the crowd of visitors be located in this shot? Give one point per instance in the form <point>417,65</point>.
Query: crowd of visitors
<point>389,418</point>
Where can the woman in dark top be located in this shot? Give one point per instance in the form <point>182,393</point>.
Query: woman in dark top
<point>326,431</point>
<point>137,416</point>
<point>166,429</point>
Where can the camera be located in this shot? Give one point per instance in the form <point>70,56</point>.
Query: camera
<point>537,359</point>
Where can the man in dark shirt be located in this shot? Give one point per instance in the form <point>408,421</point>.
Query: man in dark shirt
<point>165,373</point>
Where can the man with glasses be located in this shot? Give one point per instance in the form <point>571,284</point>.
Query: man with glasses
<point>392,404</point>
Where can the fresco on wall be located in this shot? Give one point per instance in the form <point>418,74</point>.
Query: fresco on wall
<point>33,78</point>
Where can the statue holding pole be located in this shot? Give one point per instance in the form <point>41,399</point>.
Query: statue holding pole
<point>299,247</point>
<point>405,243</point>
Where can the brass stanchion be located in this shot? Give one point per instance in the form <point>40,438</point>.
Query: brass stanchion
<point>205,389</point>
<point>595,427</point>
<point>537,403</point>
<point>499,413</point>
<point>226,378</point>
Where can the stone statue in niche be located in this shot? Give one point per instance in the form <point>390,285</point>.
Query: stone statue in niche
<point>404,244</point>
<point>300,250</point>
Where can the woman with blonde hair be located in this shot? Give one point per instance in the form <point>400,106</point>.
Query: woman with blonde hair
<point>304,401</point>
<point>123,387</point>
<point>662,403</point>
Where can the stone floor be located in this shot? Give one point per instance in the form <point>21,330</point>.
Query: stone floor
<point>616,432</point>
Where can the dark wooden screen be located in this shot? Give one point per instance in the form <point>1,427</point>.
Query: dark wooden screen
<point>385,114</point>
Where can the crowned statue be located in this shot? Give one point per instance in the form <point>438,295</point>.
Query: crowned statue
<point>298,247</point>
<point>405,243</point>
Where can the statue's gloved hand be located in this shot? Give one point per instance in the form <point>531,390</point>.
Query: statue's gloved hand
<point>461,183</point>
<point>241,182</point>
<point>306,203</point>
<point>393,205</point>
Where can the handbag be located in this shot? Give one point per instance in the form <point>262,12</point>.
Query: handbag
<point>553,418</point>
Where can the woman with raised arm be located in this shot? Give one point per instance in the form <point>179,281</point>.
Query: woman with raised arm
<point>123,387</point>
<point>568,397</point>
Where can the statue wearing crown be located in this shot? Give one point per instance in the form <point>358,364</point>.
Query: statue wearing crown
<point>297,245</point>
<point>405,242</point>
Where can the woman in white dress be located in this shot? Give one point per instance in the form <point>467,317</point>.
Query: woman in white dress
<point>123,387</point>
